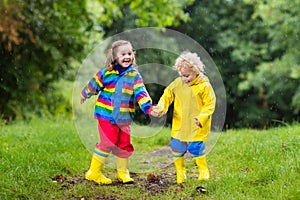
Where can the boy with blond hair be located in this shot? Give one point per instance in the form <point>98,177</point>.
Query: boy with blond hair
<point>194,103</point>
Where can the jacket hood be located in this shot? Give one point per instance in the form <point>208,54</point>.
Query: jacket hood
<point>199,79</point>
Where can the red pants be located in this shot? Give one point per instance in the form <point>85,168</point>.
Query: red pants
<point>115,139</point>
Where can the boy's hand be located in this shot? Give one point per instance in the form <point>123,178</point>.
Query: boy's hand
<point>154,112</point>
<point>197,122</point>
<point>82,100</point>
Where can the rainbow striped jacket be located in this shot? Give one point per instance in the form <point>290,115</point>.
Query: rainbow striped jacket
<point>117,92</point>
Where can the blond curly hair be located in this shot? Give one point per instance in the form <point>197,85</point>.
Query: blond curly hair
<point>189,60</point>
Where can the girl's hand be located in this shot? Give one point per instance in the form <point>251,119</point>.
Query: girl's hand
<point>154,114</point>
<point>197,122</point>
<point>82,100</point>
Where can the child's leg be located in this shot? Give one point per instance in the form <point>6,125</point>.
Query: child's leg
<point>122,170</point>
<point>94,172</point>
<point>109,134</point>
<point>178,150</point>
<point>203,168</point>
<point>124,147</point>
<point>198,151</point>
<point>123,151</point>
<point>108,137</point>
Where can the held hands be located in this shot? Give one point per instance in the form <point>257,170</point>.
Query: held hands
<point>154,114</point>
<point>155,111</point>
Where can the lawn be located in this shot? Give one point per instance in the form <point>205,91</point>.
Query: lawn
<point>46,159</point>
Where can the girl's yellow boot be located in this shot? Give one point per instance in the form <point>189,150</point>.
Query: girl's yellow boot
<point>180,169</point>
<point>203,169</point>
<point>122,171</point>
<point>94,172</point>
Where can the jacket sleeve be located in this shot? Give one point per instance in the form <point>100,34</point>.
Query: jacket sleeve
<point>141,95</point>
<point>165,100</point>
<point>94,86</point>
<point>209,103</point>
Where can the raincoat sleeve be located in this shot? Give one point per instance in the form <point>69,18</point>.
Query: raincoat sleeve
<point>141,95</point>
<point>165,101</point>
<point>209,103</point>
<point>94,86</point>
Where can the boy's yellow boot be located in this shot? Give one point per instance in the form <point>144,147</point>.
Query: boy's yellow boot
<point>122,170</point>
<point>180,169</point>
<point>94,172</point>
<point>203,169</point>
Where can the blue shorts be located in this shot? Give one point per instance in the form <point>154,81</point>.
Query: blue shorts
<point>180,148</point>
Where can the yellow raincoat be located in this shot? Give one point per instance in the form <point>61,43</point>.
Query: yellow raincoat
<point>195,101</point>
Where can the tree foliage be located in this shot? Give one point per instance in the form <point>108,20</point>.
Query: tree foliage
<point>41,42</point>
<point>278,80</point>
<point>254,44</point>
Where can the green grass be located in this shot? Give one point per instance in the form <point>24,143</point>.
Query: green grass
<point>244,164</point>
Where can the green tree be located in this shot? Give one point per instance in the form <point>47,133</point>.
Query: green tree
<point>278,79</point>
<point>42,41</point>
<point>37,50</point>
<point>254,44</point>
<point>227,31</point>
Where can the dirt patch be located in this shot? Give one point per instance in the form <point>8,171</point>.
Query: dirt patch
<point>157,184</point>
<point>150,184</point>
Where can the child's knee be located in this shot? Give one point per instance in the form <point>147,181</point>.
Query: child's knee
<point>196,148</point>
<point>178,148</point>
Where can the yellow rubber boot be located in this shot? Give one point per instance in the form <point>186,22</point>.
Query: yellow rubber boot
<point>180,169</point>
<point>203,169</point>
<point>122,170</point>
<point>94,172</point>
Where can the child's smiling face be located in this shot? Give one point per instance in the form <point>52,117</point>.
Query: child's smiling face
<point>187,75</point>
<point>125,55</point>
